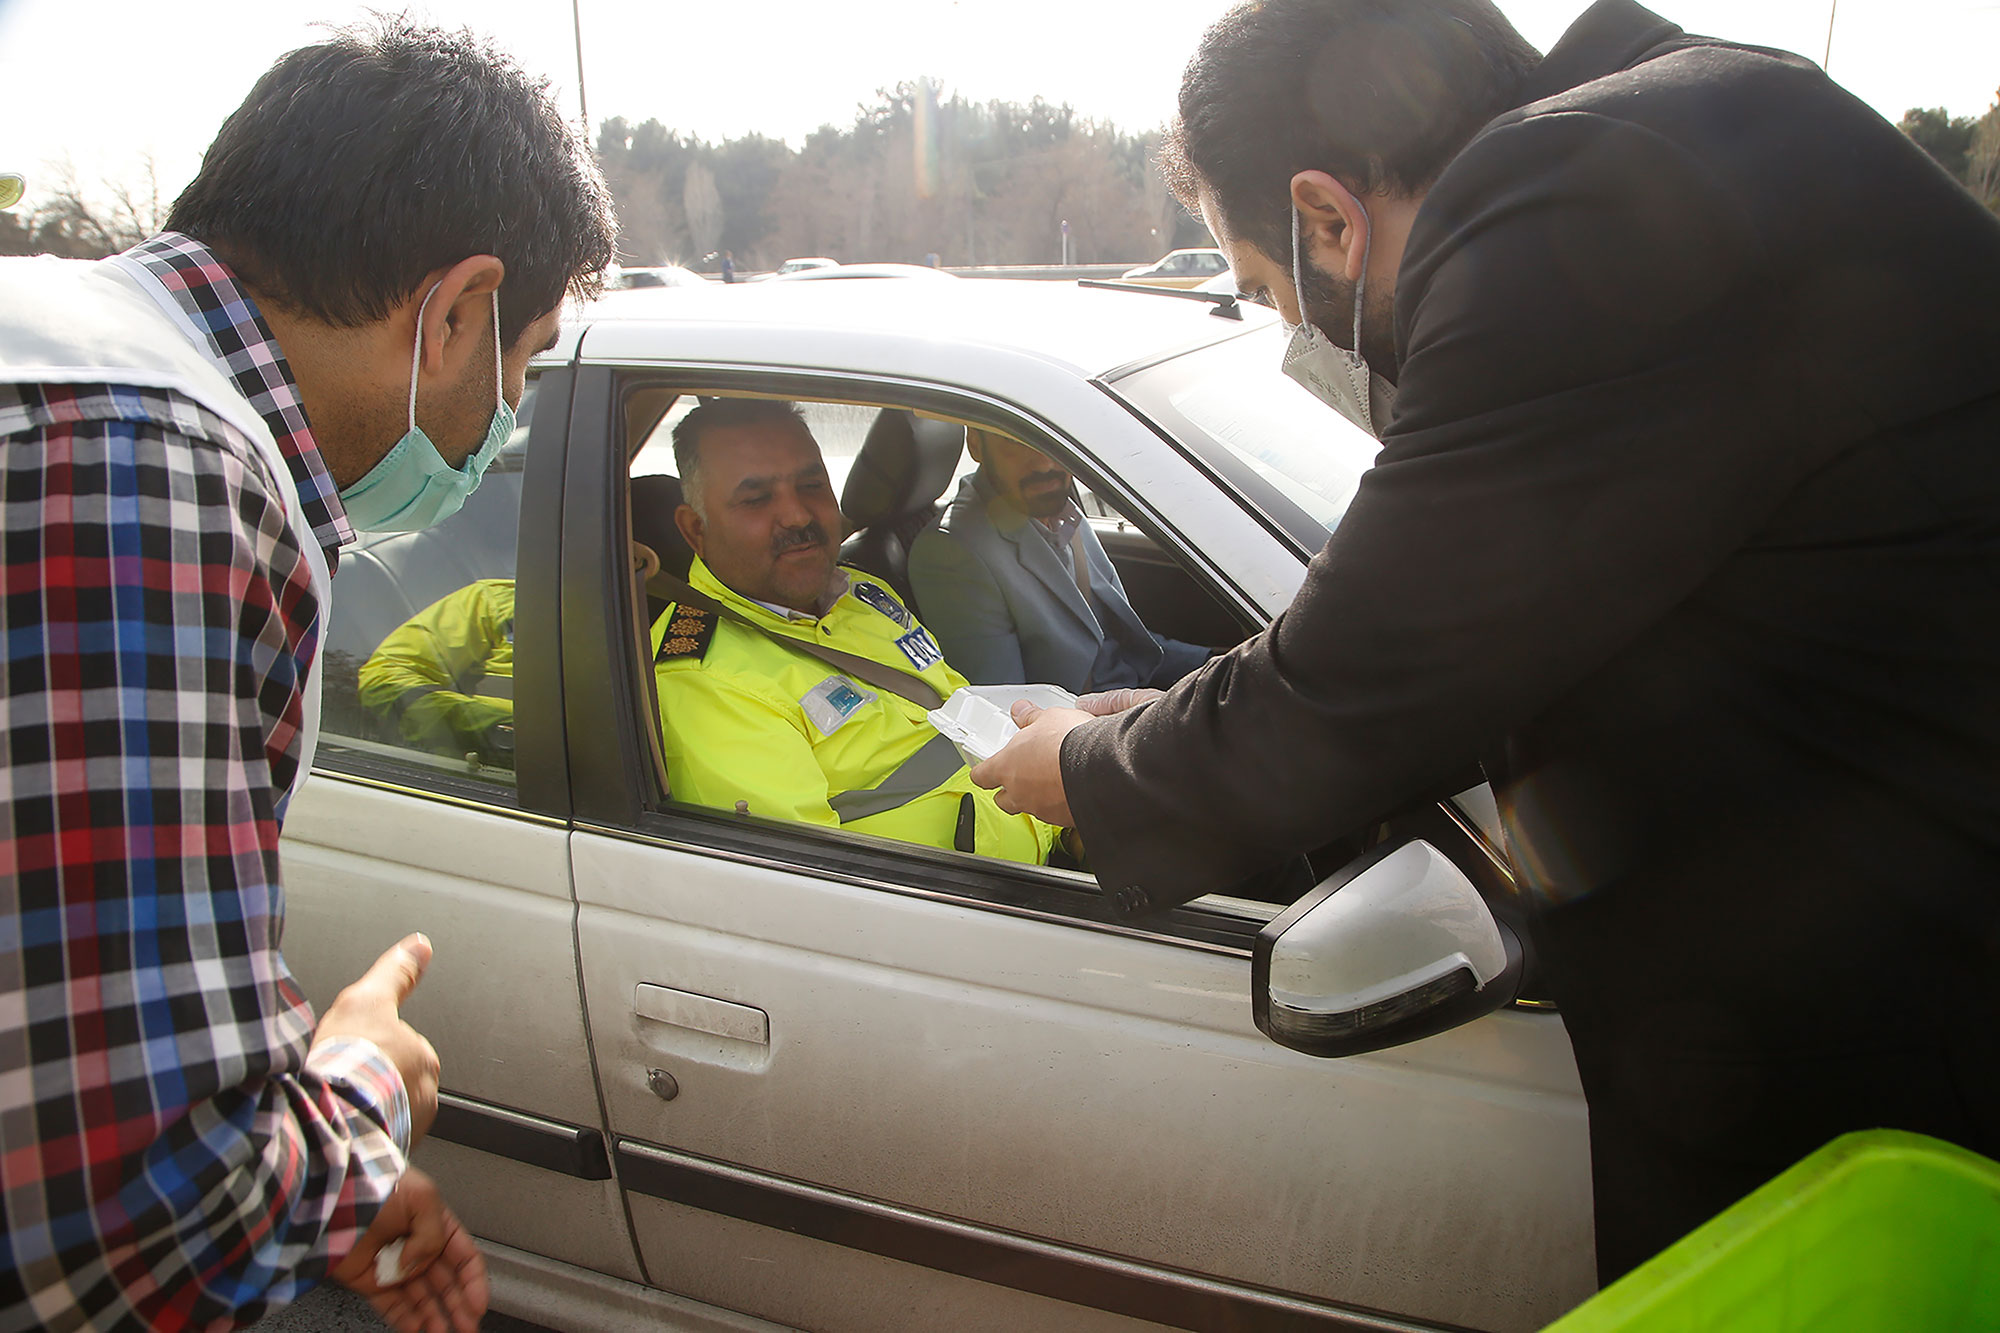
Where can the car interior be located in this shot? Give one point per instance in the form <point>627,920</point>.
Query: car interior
<point>892,486</point>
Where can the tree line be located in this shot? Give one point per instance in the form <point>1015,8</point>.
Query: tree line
<point>1966,146</point>
<point>914,176</point>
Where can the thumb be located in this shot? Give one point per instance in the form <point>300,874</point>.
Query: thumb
<point>1024,712</point>
<point>400,968</point>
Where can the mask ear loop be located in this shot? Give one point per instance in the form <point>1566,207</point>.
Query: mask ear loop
<point>417,352</point>
<point>1298,272</point>
<point>499,398</point>
<point>1360,288</point>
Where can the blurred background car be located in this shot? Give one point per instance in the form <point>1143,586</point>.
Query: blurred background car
<point>802,265</point>
<point>655,275</point>
<point>1180,268</point>
<point>863,271</point>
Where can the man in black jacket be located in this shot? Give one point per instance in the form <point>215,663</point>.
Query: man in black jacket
<point>1686,525</point>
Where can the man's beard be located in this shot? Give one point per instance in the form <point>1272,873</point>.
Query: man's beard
<point>1327,303</point>
<point>1044,503</point>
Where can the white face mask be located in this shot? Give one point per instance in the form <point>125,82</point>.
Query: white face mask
<point>1337,377</point>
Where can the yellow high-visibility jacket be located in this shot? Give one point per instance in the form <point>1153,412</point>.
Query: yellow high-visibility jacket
<point>445,676</point>
<point>749,722</point>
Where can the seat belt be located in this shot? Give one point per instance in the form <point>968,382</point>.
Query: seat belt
<point>1079,565</point>
<point>916,689</point>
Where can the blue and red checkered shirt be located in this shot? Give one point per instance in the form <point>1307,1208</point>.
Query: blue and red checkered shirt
<point>170,1156</point>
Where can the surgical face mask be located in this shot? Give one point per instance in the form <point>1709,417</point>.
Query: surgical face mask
<point>1337,377</point>
<point>413,487</point>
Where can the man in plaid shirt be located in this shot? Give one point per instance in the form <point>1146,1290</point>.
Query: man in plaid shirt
<point>332,334</point>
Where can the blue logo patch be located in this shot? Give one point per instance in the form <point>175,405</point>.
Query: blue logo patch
<point>882,601</point>
<point>829,704</point>
<point>921,648</point>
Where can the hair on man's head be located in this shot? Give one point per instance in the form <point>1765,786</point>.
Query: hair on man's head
<point>357,166</point>
<point>1379,94</point>
<point>720,414</point>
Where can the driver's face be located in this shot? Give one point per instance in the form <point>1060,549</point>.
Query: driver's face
<point>772,527</point>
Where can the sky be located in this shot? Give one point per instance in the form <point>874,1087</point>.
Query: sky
<point>103,85</point>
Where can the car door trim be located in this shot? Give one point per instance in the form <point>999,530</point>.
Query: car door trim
<point>987,1254</point>
<point>1206,932</point>
<point>553,1145</point>
<point>334,768</point>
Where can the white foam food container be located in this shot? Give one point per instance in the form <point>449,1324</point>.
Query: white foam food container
<point>976,720</point>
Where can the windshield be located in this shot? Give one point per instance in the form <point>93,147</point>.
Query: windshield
<point>1289,454</point>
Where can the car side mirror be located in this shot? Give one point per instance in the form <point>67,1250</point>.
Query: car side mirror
<point>1396,946</point>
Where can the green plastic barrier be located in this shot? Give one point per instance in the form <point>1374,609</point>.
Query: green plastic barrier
<point>1878,1232</point>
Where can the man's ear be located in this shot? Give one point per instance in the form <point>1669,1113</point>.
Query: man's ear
<point>1333,226</point>
<point>975,444</point>
<point>459,313</point>
<point>691,526</point>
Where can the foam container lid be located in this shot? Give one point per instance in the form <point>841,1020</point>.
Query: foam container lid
<point>975,718</point>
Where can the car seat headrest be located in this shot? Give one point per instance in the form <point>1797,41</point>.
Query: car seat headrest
<point>904,465</point>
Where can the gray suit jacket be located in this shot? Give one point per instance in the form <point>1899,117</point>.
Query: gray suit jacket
<point>1005,606</point>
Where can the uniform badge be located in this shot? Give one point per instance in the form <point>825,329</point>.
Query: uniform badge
<point>688,633</point>
<point>830,704</point>
<point>921,649</point>
<point>882,600</point>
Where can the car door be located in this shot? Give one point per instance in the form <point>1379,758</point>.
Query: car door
<point>858,1084</point>
<point>394,834</point>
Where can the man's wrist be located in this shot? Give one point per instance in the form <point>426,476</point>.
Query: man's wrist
<point>370,1079</point>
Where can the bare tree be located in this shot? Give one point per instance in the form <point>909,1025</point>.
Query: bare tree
<point>1982,172</point>
<point>70,223</point>
<point>703,203</point>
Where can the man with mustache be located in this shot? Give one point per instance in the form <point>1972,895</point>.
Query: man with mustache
<point>753,717</point>
<point>1018,587</point>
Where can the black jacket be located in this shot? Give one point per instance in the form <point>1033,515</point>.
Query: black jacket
<point>1687,524</point>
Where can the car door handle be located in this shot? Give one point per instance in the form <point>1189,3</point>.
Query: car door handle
<point>701,1013</point>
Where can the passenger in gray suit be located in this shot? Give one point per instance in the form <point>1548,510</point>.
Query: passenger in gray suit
<point>1016,586</point>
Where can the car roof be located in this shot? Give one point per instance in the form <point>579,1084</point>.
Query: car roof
<point>1092,331</point>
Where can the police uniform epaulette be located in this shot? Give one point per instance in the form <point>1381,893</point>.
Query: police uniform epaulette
<point>688,634</point>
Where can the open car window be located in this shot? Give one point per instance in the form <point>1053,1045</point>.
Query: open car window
<point>755,717</point>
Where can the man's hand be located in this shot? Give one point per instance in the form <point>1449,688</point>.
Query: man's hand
<point>1028,769</point>
<point>439,1282</point>
<point>367,1009</point>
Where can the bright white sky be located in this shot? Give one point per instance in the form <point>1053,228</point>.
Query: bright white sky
<point>105,82</point>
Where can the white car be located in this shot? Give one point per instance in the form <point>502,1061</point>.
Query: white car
<point>919,271</point>
<point>708,1071</point>
<point>1180,268</point>
<point>656,275</point>
<point>805,264</point>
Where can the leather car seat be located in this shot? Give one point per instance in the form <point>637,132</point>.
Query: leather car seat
<point>892,492</point>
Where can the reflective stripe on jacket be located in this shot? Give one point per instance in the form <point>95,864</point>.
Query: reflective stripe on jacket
<point>747,719</point>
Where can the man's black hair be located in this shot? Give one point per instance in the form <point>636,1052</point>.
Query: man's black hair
<point>1379,94</point>
<point>719,414</point>
<point>360,165</point>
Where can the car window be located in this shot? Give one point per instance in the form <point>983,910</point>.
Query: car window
<point>418,658</point>
<point>750,726</point>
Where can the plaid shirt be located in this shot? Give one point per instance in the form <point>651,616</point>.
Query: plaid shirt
<point>169,1156</point>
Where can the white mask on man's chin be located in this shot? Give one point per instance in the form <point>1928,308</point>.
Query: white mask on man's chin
<point>1337,377</point>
